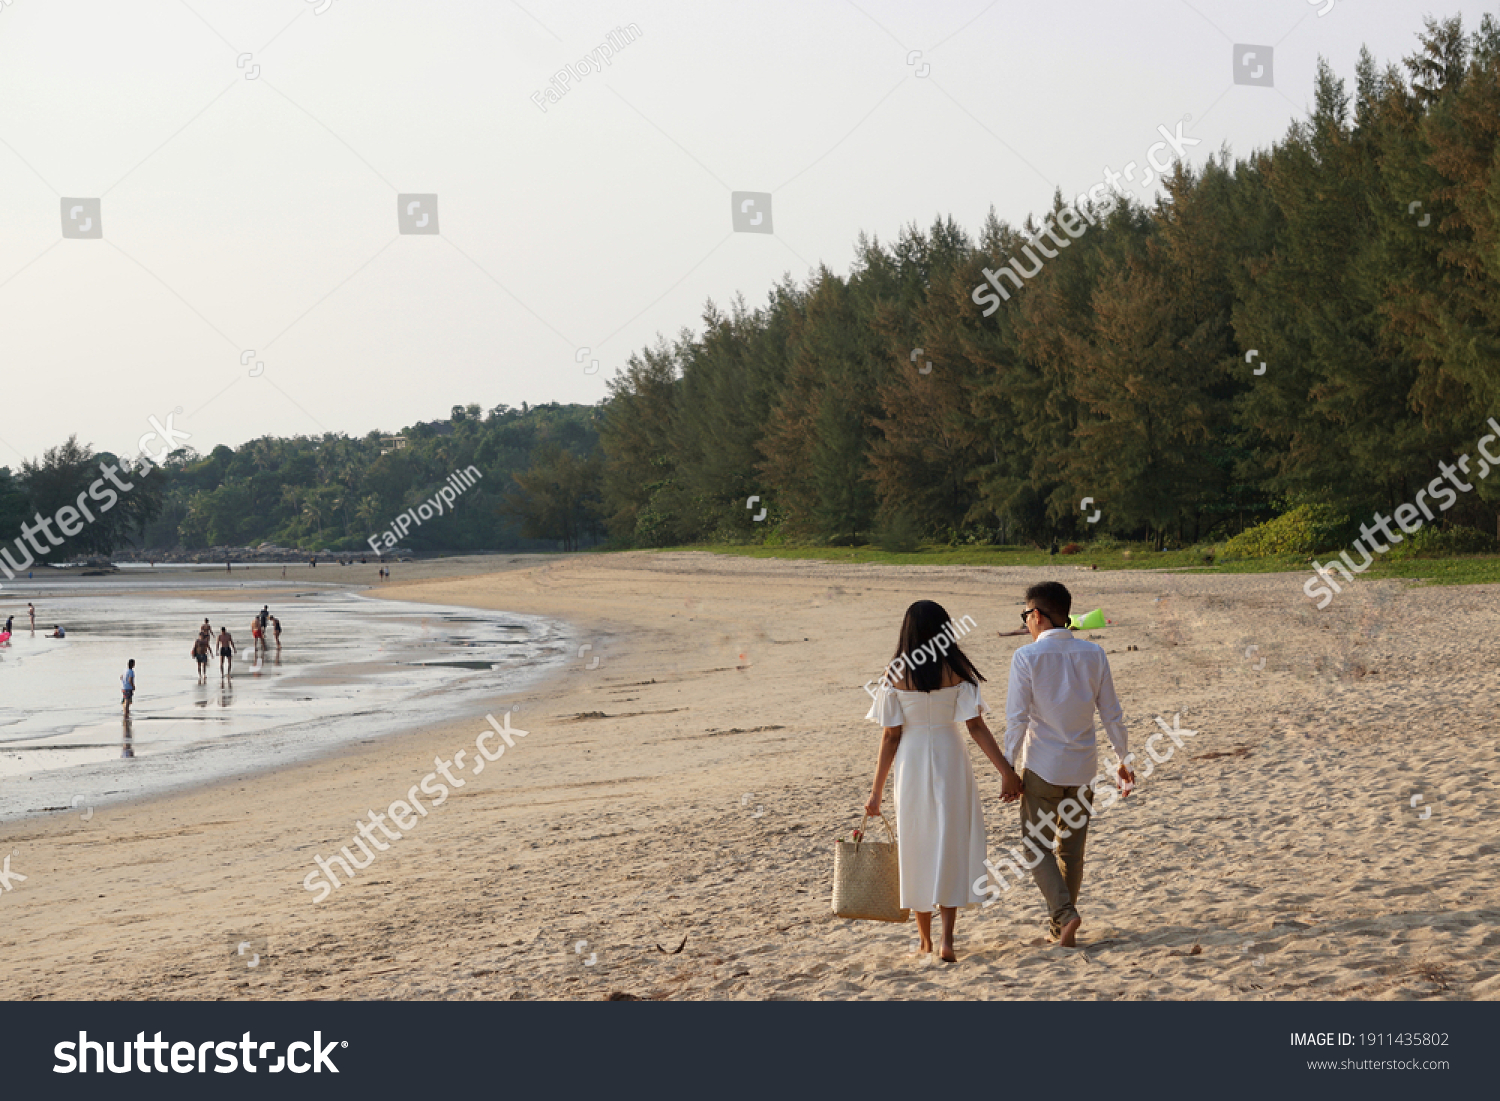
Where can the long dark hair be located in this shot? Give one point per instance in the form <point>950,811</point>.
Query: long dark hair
<point>925,621</point>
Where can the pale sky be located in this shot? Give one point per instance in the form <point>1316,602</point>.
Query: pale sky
<point>251,203</point>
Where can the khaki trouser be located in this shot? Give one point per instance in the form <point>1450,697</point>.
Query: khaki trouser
<point>1060,886</point>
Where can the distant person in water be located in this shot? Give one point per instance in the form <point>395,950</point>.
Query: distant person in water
<point>226,652</point>
<point>276,624</point>
<point>30,611</point>
<point>7,623</point>
<point>127,687</point>
<point>256,643</point>
<point>200,655</point>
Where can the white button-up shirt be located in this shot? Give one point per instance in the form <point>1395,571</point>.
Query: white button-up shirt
<point>1056,685</point>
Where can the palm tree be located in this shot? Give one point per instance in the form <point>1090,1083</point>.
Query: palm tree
<point>312,508</point>
<point>367,510</point>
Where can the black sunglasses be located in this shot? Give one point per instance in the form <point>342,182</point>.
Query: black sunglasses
<point>1026,616</point>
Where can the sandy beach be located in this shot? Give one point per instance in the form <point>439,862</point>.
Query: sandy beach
<point>665,828</point>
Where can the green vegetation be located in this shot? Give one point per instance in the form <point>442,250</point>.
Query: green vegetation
<point>1118,371</point>
<point>538,490</point>
<point>1140,556</point>
<point>1444,543</point>
<point>59,480</point>
<point>1464,570</point>
<point>1449,571</point>
<point>1306,529</point>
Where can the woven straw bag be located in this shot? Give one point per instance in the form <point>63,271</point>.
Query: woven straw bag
<point>867,878</point>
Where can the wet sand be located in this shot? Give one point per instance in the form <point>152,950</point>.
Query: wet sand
<point>687,790</point>
<point>348,667</point>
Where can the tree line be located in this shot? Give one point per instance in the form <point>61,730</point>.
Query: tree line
<point>1354,265</point>
<point>540,473</point>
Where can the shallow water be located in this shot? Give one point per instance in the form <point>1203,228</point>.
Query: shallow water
<point>350,668</point>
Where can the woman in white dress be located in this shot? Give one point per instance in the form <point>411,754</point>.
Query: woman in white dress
<point>929,694</point>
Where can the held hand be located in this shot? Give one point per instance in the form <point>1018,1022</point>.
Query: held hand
<point>1010,786</point>
<point>872,808</point>
<point>1127,781</point>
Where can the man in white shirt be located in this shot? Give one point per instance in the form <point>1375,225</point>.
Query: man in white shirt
<point>1056,685</point>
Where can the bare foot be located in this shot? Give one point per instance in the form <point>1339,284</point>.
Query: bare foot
<point>1068,938</point>
<point>947,955</point>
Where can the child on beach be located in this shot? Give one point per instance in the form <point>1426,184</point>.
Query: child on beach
<point>127,686</point>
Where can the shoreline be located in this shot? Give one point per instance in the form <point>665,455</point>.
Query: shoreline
<point>691,784</point>
<point>281,754</point>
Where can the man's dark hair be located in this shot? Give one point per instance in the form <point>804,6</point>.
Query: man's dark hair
<point>1054,600</point>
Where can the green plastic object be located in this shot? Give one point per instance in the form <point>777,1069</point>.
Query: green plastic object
<point>1091,622</point>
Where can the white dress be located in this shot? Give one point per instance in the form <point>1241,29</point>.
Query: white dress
<point>938,813</point>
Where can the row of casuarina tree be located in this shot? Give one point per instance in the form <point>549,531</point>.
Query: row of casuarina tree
<point>1356,263</point>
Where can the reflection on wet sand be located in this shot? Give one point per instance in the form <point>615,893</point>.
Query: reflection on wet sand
<point>349,667</point>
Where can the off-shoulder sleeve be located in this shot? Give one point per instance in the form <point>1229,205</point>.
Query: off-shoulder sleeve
<point>886,710</point>
<point>970,703</point>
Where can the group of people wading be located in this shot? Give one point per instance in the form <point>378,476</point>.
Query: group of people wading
<point>262,625</point>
